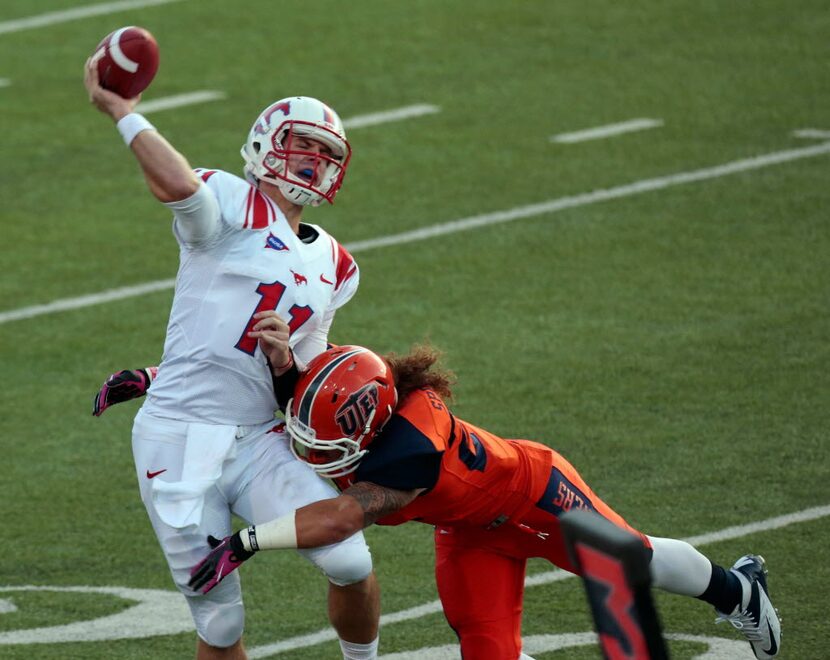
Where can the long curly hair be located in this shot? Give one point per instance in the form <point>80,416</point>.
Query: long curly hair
<point>417,369</point>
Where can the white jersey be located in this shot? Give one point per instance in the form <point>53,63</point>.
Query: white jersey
<point>252,261</point>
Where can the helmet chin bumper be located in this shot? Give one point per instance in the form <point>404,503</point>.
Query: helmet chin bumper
<point>299,194</point>
<point>270,147</point>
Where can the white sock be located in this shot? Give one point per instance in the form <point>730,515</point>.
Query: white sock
<point>677,567</point>
<point>352,651</point>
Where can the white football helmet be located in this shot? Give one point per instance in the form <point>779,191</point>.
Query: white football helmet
<point>272,150</point>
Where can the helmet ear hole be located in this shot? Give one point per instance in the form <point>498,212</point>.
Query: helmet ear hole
<point>257,146</point>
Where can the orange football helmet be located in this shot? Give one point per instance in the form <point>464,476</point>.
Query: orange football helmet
<point>340,402</point>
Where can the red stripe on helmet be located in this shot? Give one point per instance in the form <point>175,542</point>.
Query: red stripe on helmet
<point>328,114</point>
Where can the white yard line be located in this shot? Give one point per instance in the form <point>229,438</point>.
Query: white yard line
<point>608,130</point>
<point>54,17</point>
<point>812,134</point>
<point>86,301</point>
<point>359,121</point>
<point>562,203</point>
<point>518,213</point>
<point>179,100</point>
<point>5,82</point>
<point>398,114</point>
<point>739,531</point>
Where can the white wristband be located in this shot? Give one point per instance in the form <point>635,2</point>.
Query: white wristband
<point>276,534</point>
<point>131,125</point>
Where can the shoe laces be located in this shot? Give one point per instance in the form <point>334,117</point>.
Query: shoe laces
<point>743,621</point>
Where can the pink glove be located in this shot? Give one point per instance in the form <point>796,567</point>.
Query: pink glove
<point>122,386</point>
<point>227,555</point>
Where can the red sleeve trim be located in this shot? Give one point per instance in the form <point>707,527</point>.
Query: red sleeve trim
<point>258,211</point>
<point>248,204</point>
<point>205,174</point>
<point>346,266</point>
<point>262,211</point>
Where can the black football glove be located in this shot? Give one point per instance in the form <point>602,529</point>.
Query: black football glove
<point>122,386</point>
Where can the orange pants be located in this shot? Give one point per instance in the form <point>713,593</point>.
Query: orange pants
<point>480,573</point>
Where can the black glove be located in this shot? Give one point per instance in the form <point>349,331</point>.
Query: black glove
<point>122,386</point>
<point>227,555</point>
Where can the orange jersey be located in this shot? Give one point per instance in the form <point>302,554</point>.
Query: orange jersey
<point>472,475</point>
<point>494,502</point>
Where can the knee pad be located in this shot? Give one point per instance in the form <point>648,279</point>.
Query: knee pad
<point>219,617</point>
<point>345,563</point>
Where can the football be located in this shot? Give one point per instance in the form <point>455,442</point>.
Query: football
<point>127,61</point>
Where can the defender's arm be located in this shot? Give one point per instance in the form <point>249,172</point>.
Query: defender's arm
<point>317,524</point>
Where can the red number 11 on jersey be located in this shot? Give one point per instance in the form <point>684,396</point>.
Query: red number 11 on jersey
<point>270,296</point>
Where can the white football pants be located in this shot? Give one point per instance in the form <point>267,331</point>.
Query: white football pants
<point>262,481</point>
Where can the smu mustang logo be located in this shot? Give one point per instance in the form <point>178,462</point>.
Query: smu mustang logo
<point>353,415</point>
<point>264,124</point>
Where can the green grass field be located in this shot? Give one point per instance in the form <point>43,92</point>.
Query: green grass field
<point>670,339</point>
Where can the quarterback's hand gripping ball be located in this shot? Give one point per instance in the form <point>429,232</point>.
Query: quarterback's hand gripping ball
<point>227,555</point>
<point>122,386</point>
<point>127,61</point>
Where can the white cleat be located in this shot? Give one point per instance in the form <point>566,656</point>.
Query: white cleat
<point>755,616</point>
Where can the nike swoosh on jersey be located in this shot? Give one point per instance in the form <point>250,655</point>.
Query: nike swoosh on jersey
<point>150,475</point>
<point>323,279</point>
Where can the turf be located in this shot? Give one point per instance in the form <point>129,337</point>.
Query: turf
<point>673,344</point>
